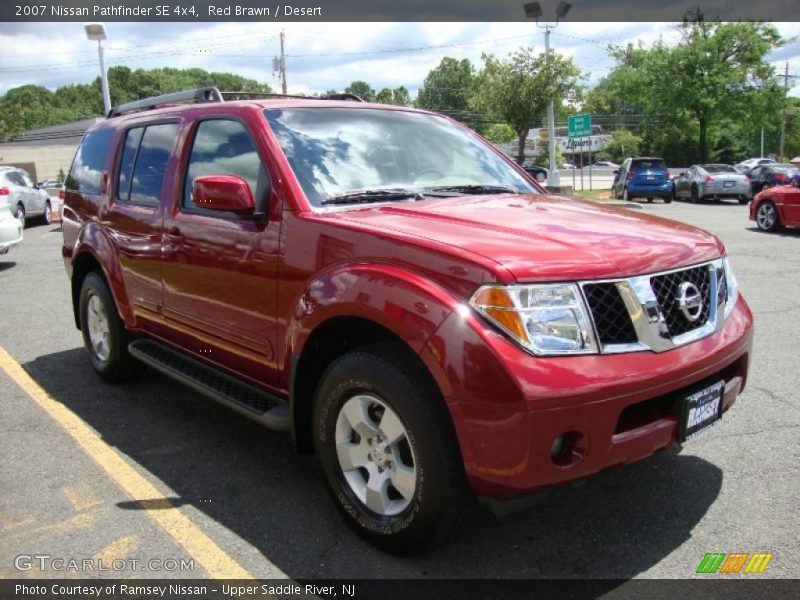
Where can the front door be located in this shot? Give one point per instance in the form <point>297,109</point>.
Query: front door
<point>220,269</point>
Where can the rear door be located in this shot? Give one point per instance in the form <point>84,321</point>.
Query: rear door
<point>20,192</point>
<point>220,269</point>
<point>144,158</point>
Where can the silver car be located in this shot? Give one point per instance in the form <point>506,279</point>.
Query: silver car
<point>10,226</point>
<point>701,182</point>
<point>25,198</point>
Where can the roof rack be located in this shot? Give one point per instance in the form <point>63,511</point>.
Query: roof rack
<point>243,95</point>
<point>212,94</point>
<point>206,94</point>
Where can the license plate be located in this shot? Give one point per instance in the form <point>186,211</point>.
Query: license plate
<point>701,411</point>
<point>651,178</point>
<point>729,183</point>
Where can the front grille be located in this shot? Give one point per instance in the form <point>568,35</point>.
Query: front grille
<point>610,316</point>
<point>666,289</point>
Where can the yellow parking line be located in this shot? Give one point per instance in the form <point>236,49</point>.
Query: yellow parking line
<point>201,547</point>
<point>80,496</point>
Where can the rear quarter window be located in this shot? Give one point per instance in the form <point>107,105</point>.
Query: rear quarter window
<point>87,167</point>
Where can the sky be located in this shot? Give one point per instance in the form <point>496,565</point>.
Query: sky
<point>320,56</point>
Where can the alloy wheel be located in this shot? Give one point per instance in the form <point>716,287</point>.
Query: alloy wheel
<point>99,329</point>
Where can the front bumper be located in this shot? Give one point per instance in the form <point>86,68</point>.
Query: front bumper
<point>508,407</point>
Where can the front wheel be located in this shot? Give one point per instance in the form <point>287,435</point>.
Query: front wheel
<point>767,217</point>
<point>104,335</point>
<point>47,215</point>
<point>387,449</point>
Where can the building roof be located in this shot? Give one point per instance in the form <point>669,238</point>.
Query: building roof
<point>63,133</point>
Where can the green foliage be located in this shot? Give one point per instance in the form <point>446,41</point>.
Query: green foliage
<point>500,133</point>
<point>62,175</point>
<point>30,106</point>
<point>622,143</point>
<point>448,88</point>
<point>398,96</point>
<point>544,158</point>
<point>361,89</point>
<point>518,89</point>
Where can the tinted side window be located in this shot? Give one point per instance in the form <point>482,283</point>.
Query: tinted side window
<point>151,162</point>
<point>129,150</point>
<point>223,146</point>
<point>87,168</point>
<point>15,178</point>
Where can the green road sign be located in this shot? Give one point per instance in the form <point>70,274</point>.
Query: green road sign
<point>579,126</point>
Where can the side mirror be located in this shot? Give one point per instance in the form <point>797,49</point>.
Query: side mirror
<point>229,193</point>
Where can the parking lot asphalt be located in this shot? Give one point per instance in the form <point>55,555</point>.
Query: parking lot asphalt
<point>76,456</point>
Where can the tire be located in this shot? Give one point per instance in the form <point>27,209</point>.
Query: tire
<point>650,199</point>
<point>47,215</point>
<point>767,217</point>
<point>357,393</point>
<point>695,195</point>
<point>20,214</point>
<point>541,177</point>
<point>673,195</point>
<point>104,335</point>
<point>743,199</point>
<point>668,199</point>
<point>625,195</point>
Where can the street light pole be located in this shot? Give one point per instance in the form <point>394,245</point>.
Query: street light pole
<point>104,79</point>
<point>533,10</point>
<point>553,177</point>
<point>97,32</point>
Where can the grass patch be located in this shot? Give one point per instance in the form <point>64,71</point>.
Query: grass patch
<point>597,195</point>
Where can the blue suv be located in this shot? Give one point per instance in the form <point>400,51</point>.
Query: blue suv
<point>643,177</point>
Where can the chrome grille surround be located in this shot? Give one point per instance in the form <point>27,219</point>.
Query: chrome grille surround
<point>648,317</point>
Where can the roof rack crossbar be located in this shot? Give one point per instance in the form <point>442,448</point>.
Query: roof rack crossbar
<point>244,95</point>
<point>205,94</point>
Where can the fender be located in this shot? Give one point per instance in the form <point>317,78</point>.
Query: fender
<point>92,239</point>
<point>406,303</point>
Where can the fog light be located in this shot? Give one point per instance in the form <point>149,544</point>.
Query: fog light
<point>557,447</point>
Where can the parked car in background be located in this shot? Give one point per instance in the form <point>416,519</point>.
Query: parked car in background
<point>539,173</point>
<point>775,208</point>
<point>26,199</point>
<point>771,175</point>
<point>746,165</point>
<point>604,164</point>
<point>10,226</point>
<point>717,181</point>
<point>642,177</point>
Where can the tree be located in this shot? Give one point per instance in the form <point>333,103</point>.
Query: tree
<point>715,75</point>
<point>518,89</point>
<point>398,96</point>
<point>448,88</point>
<point>621,144</point>
<point>361,89</point>
<point>500,133</point>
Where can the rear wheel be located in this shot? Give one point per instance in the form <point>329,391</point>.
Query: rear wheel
<point>104,335</point>
<point>625,195</point>
<point>743,199</point>
<point>767,217</point>
<point>650,199</point>
<point>540,176</point>
<point>47,215</point>
<point>20,213</point>
<point>387,449</point>
<point>695,195</point>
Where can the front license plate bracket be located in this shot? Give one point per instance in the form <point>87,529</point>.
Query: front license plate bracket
<point>701,410</point>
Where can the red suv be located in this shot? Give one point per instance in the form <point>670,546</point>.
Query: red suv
<point>392,290</point>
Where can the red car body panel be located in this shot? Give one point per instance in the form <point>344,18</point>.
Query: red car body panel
<point>246,295</point>
<point>786,199</point>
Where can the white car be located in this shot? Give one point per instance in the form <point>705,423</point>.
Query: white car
<point>10,225</point>
<point>24,197</point>
<point>746,165</point>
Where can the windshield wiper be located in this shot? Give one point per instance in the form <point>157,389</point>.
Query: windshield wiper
<point>475,189</point>
<point>371,196</point>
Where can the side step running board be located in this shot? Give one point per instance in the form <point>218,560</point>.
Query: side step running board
<point>269,410</point>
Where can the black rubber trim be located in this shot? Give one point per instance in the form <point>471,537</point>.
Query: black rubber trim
<point>266,408</point>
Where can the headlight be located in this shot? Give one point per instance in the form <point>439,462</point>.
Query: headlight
<point>543,319</point>
<point>731,286</point>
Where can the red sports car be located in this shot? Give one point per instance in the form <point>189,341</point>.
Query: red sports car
<point>776,207</point>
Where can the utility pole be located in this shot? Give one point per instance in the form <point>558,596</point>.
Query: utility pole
<point>783,110</point>
<point>553,178</point>
<point>283,63</point>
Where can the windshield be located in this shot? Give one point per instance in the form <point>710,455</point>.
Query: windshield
<point>341,152</point>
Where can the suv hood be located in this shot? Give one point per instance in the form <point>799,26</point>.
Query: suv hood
<point>546,238</point>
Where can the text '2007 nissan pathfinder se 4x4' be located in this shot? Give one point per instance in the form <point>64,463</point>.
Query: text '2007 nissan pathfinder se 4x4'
<point>399,295</point>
